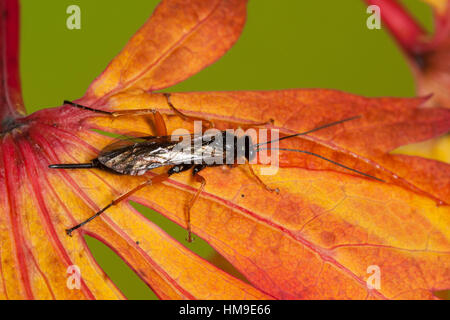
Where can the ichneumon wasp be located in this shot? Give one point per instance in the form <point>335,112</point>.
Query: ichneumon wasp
<point>137,156</point>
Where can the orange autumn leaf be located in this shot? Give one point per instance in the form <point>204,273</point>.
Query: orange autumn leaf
<point>316,239</point>
<point>171,46</point>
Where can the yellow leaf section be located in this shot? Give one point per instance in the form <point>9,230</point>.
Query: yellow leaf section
<point>169,268</point>
<point>290,245</point>
<point>36,253</point>
<point>438,149</point>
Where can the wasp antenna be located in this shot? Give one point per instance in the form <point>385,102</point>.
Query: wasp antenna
<point>86,108</point>
<point>73,166</point>
<point>312,130</point>
<point>326,159</point>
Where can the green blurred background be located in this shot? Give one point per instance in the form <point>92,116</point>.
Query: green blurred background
<point>285,44</point>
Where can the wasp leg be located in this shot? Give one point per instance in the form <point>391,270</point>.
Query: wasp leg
<point>243,125</point>
<point>253,173</point>
<point>191,203</point>
<point>184,116</point>
<point>119,113</point>
<point>160,125</point>
<point>247,125</point>
<point>87,108</point>
<point>156,179</point>
<point>159,119</point>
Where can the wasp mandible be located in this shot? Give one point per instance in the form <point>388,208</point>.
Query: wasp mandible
<point>137,156</point>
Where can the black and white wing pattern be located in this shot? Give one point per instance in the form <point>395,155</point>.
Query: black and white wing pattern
<point>137,155</point>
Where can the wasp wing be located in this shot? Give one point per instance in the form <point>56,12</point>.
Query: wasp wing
<point>136,155</point>
<point>124,141</point>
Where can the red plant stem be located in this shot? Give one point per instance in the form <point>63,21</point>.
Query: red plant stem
<point>401,24</point>
<point>11,102</point>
